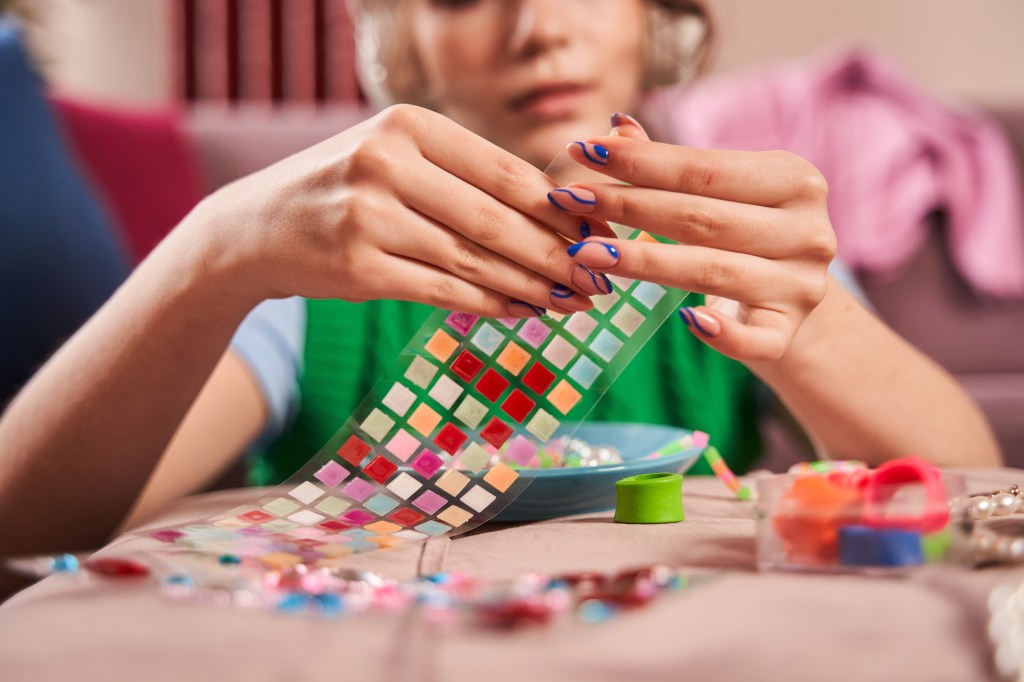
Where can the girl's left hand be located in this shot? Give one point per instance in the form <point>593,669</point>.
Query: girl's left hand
<point>752,227</point>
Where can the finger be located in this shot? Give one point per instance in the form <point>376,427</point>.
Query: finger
<point>428,242</point>
<point>773,178</point>
<point>627,126</point>
<point>741,277</point>
<point>691,219</point>
<point>491,224</point>
<point>492,170</point>
<point>764,336</point>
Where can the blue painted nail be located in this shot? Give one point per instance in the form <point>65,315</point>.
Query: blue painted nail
<point>561,291</point>
<point>536,310</point>
<point>585,229</point>
<point>691,320</point>
<point>574,249</point>
<point>577,200</point>
<point>683,317</point>
<point>600,155</point>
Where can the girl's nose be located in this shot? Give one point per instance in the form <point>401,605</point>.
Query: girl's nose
<point>540,25</point>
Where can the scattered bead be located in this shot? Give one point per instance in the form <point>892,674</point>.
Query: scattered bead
<point>229,560</point>
<point>115,567</point>
<point>65,563</point>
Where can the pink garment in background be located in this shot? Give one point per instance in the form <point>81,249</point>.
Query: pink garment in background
<point>891,154</point>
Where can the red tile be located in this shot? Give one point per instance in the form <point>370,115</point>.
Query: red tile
<point>467,365</point>
<point>354,450</point>
<point>496,432</point>
<point>256,516</point>
<point>492,385</point>
<point>406,517</point>
<point>380,469</point>
<point>334,525</point>
<point>539,378</point>
<point>450,439</point>
<point>517,405</point>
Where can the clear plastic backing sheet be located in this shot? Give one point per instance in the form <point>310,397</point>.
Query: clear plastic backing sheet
<point>436,448</point>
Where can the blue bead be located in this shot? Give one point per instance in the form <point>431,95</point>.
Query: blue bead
<point>437,578</point>
<point>864,546</point>
<point>330,604</point>
<point>292,602</point>
<point>229,560</point>
<point>594,611</point>
<point>65,563</point>
<point>182,580</point>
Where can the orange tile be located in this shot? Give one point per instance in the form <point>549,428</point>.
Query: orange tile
<point>455,516</point>
<point>280,560</point>
<point>513,358</point>
<point>441,345</point>
<point>424,420</point>
<point>501,476</point>
<point>564,397</point>
<point>645,237</point>
<point>383,527</point>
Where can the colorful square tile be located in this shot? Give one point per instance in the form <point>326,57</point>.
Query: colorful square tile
<point>399,399</point>
<point>564,397</point>
<point>424,419</point>
<point>648,294</point>
<point>383,527</point>
<point>380,469</point>
<point>559,352</point>
<point>446,391</point>
<point>606,345</point>
<point>354,450</point>
<point>357,517</point>
<point>539,378</point>
<point>467,365</point>
<point>441,345</point>
<point>517,405</point>
<point>461,322</point>
<point>496,432</point>
<point>521,451</point>
<point>279,524</point>
<point>359,546</point>
<point>404,485</point>
<point>534,331</point>
<point>377,425</point>
<point>406,516</point>
<point>331,474</point>
<point>433,528</point>
<point>510,322</point>
<point>621,283</point>
<point>255,516</point>
<point>487,339</point>
<point>385,541</point>
<point>473,458</point>
<point>332,506</point>
<point>581,325</point>
<point>429,502</point>
<point>450,438</point>
<point>452,481</point>
<point>603,304</point>
<point>584,372</point>
<point>380,504</point>
<point>427,464</point>
<point>513,358</point>
<point>357,489</point>
<point>477,499</point>
<point>455,516</point>
<point>402,444</point>
<point>628,319</point>
<point>334,526</point>
<point>306,517</point>
<point>306,492</point>
<point>470,412</point>
<point>421,371</point>
<point>278,561</point>
<point>501,477</point>
<point>411,535</point>
<point>542,425</point>
<point>492,385</point>
<point>281,506</point>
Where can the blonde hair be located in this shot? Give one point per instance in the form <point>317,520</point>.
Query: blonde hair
<point>678,42</point>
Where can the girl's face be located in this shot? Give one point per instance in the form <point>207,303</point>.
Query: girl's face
<point>531,75</point>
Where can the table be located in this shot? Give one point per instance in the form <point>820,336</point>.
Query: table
<point>741,625</point>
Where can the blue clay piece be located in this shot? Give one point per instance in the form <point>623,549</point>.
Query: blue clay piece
<point>863,546</point>
<point>65,563</point>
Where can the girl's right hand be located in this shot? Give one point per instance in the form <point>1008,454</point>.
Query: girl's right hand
<point>407,205</point>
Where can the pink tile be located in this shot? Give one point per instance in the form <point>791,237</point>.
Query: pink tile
<point>331,473</point>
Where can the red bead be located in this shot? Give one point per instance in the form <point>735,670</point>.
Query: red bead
<point>517,405</point>
<point>496,432</point>
<point>114,567</point>
<point>515,614</point>
<point>380,469</point>
<point>539,378</point>
<point>492,385</point>
<point>354,450</point>
<point>467,365</point>
<point>450,438</point>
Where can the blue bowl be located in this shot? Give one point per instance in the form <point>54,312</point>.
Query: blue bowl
<point>581,490</point>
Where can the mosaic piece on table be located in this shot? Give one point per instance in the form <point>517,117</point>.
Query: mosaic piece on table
<point>436,447</point>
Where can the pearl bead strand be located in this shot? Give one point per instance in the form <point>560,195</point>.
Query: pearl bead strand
<point>988,544</point>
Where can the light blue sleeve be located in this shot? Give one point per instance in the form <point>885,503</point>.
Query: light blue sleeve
<point>271,341</point>
<point>845,277</point>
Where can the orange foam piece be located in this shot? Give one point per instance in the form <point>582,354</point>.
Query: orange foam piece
<point>809,515</point>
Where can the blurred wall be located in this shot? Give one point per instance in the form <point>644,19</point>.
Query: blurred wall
<point>118,49</point>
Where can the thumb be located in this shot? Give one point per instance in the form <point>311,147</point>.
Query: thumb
<point>627,126</point>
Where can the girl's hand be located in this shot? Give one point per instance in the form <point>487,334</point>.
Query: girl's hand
<point>752,227</point>
<point>407,205</point>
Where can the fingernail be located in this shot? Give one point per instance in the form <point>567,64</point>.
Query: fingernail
<point>564,297</point>
<point>574,200</point>
<point>584,229</point>
<point>595,154</point>
<point>594,254</point>
<point>701,321</point>
<point>619,119</point>
<point>588,280</point>
<point>524,309</point>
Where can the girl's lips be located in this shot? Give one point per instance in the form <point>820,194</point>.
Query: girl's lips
<point>553,100</point>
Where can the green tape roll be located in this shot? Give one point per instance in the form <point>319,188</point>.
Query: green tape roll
<point>649,498</point>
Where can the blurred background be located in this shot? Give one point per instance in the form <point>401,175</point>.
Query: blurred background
<point>154,50</point>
